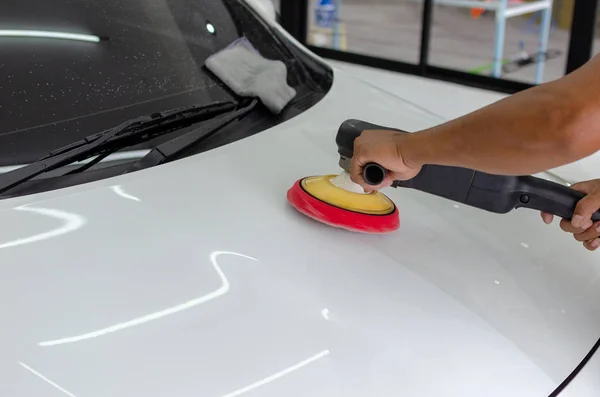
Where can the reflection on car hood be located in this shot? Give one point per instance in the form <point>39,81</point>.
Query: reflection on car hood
<point>196,278</point>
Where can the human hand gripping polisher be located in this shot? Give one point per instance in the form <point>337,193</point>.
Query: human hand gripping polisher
<point>337,201</point>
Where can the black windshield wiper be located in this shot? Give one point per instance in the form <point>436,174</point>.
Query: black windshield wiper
<point>173,148</point>
<point>126,134</point>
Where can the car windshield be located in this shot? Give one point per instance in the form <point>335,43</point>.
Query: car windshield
<point>72,68</point>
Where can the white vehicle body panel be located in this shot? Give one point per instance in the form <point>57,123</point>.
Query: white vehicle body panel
<point>196,278</point>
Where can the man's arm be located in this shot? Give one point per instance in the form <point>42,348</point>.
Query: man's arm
<point>541,128</point>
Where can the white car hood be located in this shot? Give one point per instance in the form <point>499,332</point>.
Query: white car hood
<point>196,278</point>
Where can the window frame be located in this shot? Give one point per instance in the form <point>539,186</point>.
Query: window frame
<point>294,18</point>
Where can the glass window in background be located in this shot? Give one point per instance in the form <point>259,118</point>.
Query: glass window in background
<point>389,29</point>
<point>502,38</point>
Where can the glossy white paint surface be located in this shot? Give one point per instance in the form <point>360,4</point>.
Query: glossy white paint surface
<point>196,278</point>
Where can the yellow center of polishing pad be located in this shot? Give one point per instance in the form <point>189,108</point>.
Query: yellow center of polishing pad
<point>373,203</point>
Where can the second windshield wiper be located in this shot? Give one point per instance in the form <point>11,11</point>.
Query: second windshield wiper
<point>173,148</point>
<point>126,134</point>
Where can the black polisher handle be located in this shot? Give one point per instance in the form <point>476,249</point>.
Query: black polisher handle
<point>494,193</point>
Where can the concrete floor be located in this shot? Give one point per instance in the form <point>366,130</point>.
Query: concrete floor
<point>391,29</point>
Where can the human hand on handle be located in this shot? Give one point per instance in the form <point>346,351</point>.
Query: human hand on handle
<point>581,226</point>
<point>384,148</point>
<point>390,149</point>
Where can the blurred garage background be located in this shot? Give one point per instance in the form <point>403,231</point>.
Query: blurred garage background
<point>525,41</point>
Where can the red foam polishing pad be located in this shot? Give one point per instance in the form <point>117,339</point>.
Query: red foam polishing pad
<point>335,216</point>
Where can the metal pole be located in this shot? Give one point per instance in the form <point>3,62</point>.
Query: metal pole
<point>499,38</point>
<point>582,33</point>
<point>294,18</point>
<point>545,25</point>
<point>336,25</point>
<point>425,35</point>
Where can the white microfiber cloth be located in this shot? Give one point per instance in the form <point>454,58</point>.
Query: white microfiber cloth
<point>247,73</point>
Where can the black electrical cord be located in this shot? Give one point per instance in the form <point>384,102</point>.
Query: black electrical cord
<point>576,371</point>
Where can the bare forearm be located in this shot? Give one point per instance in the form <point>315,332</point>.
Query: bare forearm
<point>538,129</point>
